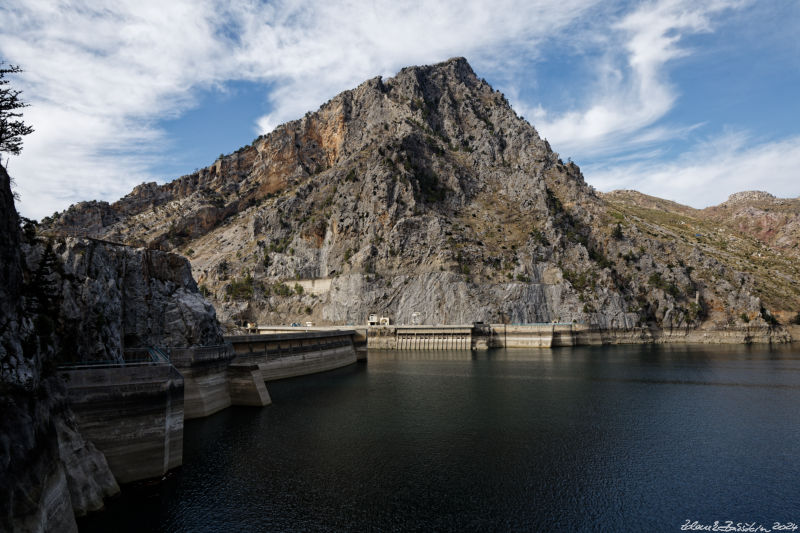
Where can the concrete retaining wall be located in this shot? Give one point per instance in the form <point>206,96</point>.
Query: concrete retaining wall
<point>133,414</point>
<point>313,286</point>
<point>307,363</point>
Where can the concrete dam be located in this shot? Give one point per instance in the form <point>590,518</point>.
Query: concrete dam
<point>480,336</point>
<point>133,411</point>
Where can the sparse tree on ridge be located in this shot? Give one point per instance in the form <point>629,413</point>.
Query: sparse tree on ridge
<point>12,129</point>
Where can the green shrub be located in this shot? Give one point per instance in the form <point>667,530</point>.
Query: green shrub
<point>281,289</point>
<point>695,312</point>
<point>657,281</point>
<point>539,237</point>
<point>768,318</point>
<point>240,289</point>
<point>599,258</point>
<point>580,281</point>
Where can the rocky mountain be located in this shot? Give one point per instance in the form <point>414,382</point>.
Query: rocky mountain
<point>70,300</point>
<point>423,197</point>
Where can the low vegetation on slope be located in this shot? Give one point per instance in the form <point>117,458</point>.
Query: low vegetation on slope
<point>754,233</point>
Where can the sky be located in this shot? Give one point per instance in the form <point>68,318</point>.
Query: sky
<point>685,100</point>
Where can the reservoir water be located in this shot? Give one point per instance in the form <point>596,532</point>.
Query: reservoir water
<point>632,438</point>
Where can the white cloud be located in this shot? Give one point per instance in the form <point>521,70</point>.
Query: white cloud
<point>100,74</point>
<point>320,51</point>
<point>711,171</point>
<point>632,90</point>
<point>97,78</point>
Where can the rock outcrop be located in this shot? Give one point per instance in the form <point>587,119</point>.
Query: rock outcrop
<point>118,297</point>
<point>422,195</point>
<point>34,487</point>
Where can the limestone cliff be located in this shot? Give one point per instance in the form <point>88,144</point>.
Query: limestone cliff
<point>34,486</point>
<point>426,198</point>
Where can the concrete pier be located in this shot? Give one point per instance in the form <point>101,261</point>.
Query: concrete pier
<point>205,373</point>
<point>246,385</point>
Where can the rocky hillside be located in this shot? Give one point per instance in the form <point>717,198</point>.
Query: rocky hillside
<point>64,300</point>
<point>753,232</point>
<point>423,193</point>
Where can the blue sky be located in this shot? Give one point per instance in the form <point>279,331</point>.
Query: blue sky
<point>685,100</point>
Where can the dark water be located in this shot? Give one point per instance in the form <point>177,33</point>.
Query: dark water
<point>584,439</point>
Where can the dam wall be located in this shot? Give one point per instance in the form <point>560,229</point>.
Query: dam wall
<point>286,354</point>
<point>480,336</point>
<point>133,413</point>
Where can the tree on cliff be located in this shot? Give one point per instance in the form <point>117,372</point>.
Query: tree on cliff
<point>11,128</point>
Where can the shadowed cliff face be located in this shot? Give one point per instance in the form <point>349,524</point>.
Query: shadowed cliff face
<point>117,297</point>
<point>34,493</point>
<point>424,193</point>
<point>74,300</point>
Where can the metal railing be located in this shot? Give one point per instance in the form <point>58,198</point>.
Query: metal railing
<point>151,355</point>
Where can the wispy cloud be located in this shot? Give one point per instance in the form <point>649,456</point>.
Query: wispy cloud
<point>101,74</point>
<point>319,49</point>
<point>711,171</point>
<point>98,77</point>
<point>631,90</point>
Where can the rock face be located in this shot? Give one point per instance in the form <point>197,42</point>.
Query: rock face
<point>34,489</point>
<point>74,300</point>
<point>425,198</point>
<point>119,298</point>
